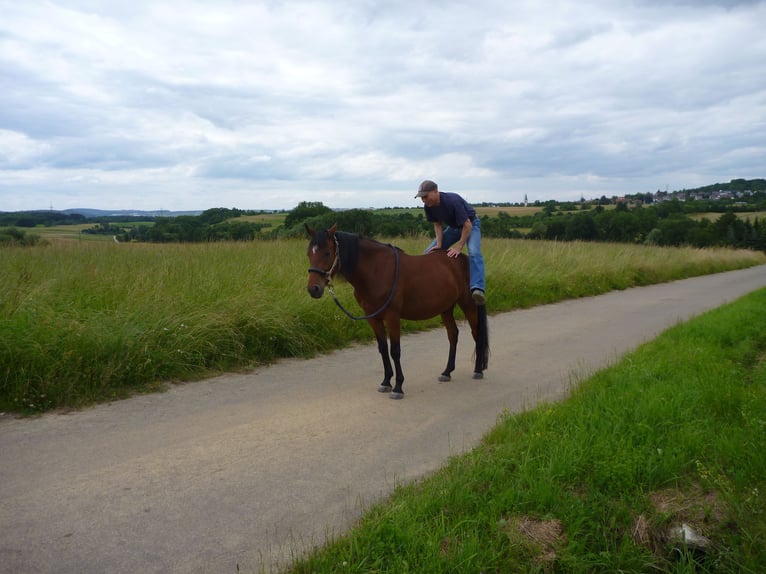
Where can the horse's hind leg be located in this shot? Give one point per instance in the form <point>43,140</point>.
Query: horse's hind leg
<point>477,318</point>
<point>448,319</point>
<point>394,333</point>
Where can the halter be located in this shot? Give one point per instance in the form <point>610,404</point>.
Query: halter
<point>328,274</point>
<point>328,282</point>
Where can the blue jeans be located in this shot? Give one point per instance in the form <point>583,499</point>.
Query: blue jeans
<point>475,258</point>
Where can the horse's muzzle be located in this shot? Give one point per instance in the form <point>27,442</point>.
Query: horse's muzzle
<point>316,290</point>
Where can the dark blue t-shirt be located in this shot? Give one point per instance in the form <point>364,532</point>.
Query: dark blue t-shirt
<point>452,210</point>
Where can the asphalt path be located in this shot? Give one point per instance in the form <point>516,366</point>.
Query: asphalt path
<point>242,472</point>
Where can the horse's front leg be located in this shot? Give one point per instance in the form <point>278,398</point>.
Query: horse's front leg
<point>380,336</point>
<point>448,319</point>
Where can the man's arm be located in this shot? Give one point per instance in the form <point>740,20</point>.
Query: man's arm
<point>439,233</point>
<point>455,250</point>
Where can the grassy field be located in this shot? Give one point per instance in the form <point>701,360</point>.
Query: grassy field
<point>90,321</point>
<point>273,219</point>
<point>68,233</point>
<point>744,216</point>
<point>75,233</point>
<point>674,436</point>
<point>512,211</point>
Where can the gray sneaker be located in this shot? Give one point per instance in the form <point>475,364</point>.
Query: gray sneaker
<point>478,296</point>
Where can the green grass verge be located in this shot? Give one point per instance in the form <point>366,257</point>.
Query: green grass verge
<point>674,434</point>
<point>90,321</point>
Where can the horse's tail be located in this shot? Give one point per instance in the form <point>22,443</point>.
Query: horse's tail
<point>482,339</point>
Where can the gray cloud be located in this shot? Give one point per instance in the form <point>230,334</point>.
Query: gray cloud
<point>261,105</point>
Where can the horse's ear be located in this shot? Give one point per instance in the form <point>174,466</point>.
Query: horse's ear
<point>309,230</point>
<point>332,230</point>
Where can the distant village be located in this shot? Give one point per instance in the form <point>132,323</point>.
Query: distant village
<point>738,191</point>
<point>683,196</point>
<point>660,196</point>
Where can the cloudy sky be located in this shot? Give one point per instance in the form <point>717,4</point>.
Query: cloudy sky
<point>185,105</point>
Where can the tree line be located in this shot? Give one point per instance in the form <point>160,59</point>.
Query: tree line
<point>664,224</point>
<point>40,218</point>
<point>194,229</point>
<point>633,220</point>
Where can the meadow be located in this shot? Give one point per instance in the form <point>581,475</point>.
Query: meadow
<point>656,464</point>
<point>83,322</point>
<point>751,216</point>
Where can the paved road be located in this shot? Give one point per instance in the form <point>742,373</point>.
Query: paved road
<point>245,470</point>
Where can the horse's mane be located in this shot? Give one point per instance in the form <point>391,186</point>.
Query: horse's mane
<point>349,252</point>
<point>349,249</point>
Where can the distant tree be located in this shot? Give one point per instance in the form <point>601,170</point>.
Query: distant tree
<point>538,231</point>
<point>654,237</point>
<point>359,221</point>
<point>675,229</point>
<point>617,225</point>
<point>235,231</point>
<point>667,208</point>
<point>731,230</point>
<point>582,227</point>
<point>26,222</point>
<point>701,235</point>
<point>555,229</point>
<point>18,237</point>
<point>219,215</point>
<point>303,211</point>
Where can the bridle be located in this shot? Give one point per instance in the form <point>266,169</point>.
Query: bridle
<point>328,275</point>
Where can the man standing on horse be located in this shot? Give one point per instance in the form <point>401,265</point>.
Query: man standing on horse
<point>455,225</point>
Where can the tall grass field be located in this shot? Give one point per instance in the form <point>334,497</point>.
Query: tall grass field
<point>657,464</point>
<point>84,322</point>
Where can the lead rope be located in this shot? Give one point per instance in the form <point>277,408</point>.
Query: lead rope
<point>390,295</point>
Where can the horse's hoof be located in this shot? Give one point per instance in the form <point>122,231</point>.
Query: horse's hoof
<point>444,378</point>
<point>396,396</point>
<point>478,375</point>
<point>384,389</point>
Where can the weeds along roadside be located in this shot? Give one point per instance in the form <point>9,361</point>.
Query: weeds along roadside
<point>674,434</point>
<point>86,322</point>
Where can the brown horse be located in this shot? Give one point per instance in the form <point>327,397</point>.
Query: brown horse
<point>390,285</point>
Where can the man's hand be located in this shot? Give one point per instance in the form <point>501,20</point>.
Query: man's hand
<point>455,250</point>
